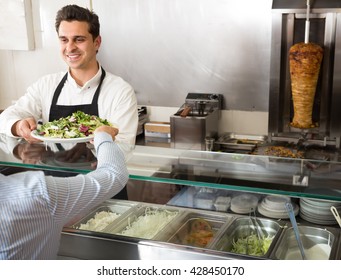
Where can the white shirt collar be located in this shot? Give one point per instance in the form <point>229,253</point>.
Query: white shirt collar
<point>93,82</point>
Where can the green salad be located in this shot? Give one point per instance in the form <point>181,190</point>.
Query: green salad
<point>251,245</point>
<point>78,125</point>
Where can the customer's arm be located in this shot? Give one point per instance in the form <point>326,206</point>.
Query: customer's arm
<point>74,195</point>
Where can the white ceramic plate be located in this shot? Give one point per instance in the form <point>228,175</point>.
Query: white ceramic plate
<point>320,216</point>
<point>277,209</point>
<point>317,221</point>
<point>276,202</point>
<point>276,214</point>
<point>61,140</point>
<point>319,203</point>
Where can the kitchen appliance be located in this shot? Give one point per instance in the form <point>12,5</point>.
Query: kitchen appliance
<point>143,118</point>
<point>289,20</point>
<point>196,120</point>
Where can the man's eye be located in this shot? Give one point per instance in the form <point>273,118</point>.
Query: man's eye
<point>63,40</point>
<point>80,40</point>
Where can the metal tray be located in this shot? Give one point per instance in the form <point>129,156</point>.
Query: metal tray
<point>287,247</point>
<point>180,231</point>
<point>139,212</point>
<point>114,206</point>
<point>240,141</point>
<point>240,228</point>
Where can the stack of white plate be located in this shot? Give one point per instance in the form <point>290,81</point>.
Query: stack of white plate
<point>244,203</point>
<point>318,211</point>
<point>273,206</point>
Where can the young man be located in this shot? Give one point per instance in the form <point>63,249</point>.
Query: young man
<point>86,86</point>
<point>34,207</point>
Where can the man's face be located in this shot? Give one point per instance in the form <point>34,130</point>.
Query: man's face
<point>77,46</point>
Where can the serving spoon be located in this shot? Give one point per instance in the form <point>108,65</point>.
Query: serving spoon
<point>291,214</point>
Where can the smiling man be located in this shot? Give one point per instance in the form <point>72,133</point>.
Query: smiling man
<point>85,87</point>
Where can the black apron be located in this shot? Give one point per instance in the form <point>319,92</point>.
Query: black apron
<point>62,111</point>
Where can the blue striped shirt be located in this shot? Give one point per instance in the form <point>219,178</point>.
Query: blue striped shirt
<point>34,207</point>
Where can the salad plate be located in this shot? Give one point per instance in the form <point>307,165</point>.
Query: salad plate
<point>76,128</point>
<point>35,134</point>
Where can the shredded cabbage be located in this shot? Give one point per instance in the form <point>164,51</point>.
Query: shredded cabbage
<point>149,224</point>
<point>99,221</point>
<point>252,245</point>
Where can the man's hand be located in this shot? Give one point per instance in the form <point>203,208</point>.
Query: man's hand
<point>23,129</point>
<point>79,151</point>
<point>108,129</point>
<point>32,153</point>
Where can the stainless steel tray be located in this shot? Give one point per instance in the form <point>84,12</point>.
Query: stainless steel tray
<point>181,230</point>
<point>235,141</point>
<point>114,206</point>
<point>138,213</point>
<point>240,228</point>
<point>287,248</point>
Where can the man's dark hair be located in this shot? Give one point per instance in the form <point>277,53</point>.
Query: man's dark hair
<point>74,12</point>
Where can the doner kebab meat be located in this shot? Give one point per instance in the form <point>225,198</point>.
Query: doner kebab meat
<point>305,61</point>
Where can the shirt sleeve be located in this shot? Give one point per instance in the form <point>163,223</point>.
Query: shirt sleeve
<point>72,196</point>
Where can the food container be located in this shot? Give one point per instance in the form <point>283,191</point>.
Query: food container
<point>157,129</point>
<point>195,228</point>
<point>145,221</point>
<point>241,228</point>
<point>222,203</point>
<point>118,208</point>
<point>244,203</point>
<point>318,243</point>
<point>204,198</point>
<point>233,141</point>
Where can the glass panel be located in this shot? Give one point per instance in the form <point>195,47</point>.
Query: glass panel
<point>315,178</point>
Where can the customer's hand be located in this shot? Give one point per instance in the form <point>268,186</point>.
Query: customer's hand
<point>23,128</point>
<point>113,131</point>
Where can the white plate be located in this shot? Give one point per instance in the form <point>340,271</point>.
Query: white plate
<point>320,216</point>
<point>317,221</point>
<point>61,140</point>
<point>278,209</point>
<point>276,214</point>
<point>319,203</point>
<point>276,201</point>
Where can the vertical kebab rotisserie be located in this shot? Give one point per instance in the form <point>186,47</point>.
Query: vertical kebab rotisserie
<point>305,62</point>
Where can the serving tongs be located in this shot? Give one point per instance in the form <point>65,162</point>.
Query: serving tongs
<point>336,215</point>
<point>254,223</point>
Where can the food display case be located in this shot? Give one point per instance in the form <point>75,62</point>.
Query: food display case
<point>207,183</point>
<point>202,185</point>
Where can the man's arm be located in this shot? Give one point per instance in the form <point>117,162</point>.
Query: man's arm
<point>74,195</point>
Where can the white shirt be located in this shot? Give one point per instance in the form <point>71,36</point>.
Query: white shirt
<point>117,102</point>
<point>34,207</point>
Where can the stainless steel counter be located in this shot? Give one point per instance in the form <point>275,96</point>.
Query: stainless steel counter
<point>169,243</point>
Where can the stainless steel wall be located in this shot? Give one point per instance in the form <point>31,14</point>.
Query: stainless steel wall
<point>167,48</point>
